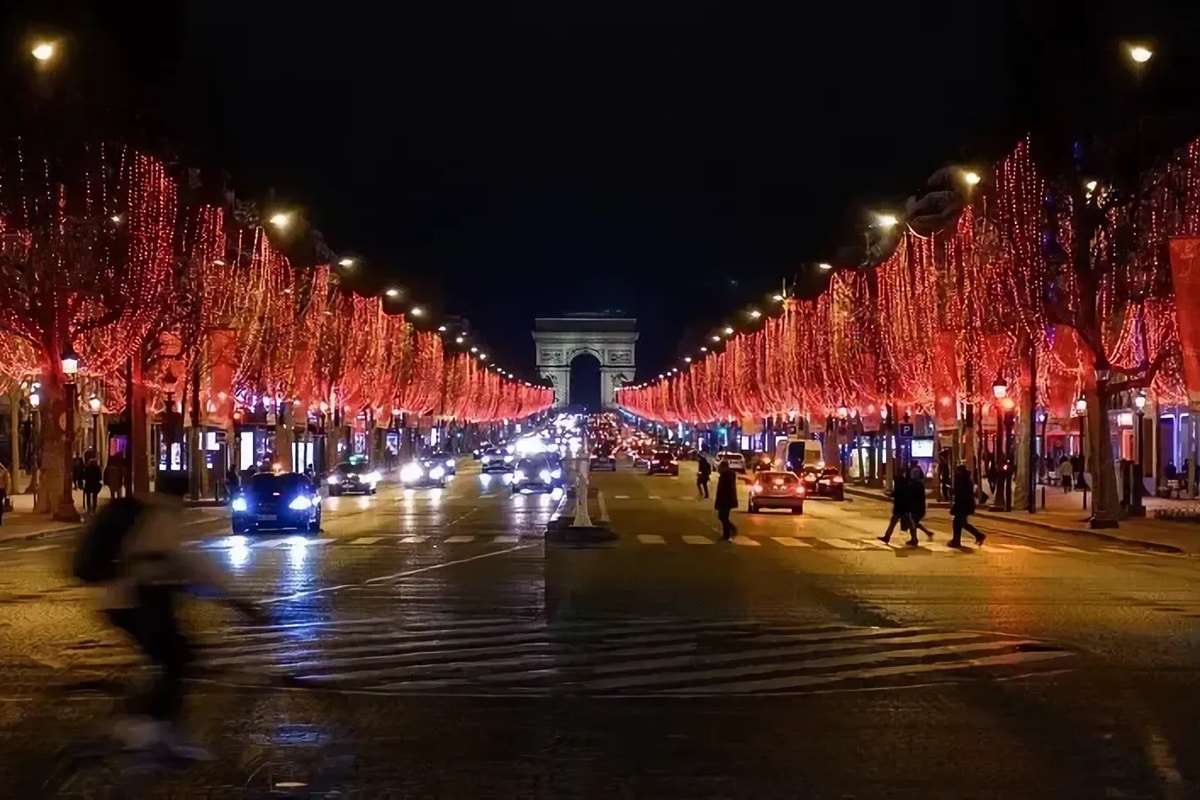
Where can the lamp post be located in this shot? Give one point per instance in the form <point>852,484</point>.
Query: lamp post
<point>1081,412</point>
<point>1136,508</point>
<point>169,382</point>
<point>94,405</point>
<point>35,450</point>
<point>66,509</point>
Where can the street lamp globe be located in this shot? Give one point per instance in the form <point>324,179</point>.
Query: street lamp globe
<point>843,412</point>
<point>94,404</point>
<point>1081,405</point>
<point>1000,388</point>
<point>1139,402</point>
<point>70,362</point>
<point>43,51</point>
<point>35,400</point>
<point>728,331</point>
<point>1140,54</point>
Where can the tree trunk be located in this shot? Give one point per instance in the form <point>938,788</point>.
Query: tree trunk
<point>56,454</point>
<point>139,440</point>
<point>1022,485</point>
<point>1106,505</point>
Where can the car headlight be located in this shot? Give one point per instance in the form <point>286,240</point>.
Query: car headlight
<point>519,475</point>
<point>333,480</point>
<point>239,504</point>
<point>556,473</point>
<point>507,459</point>
<point>436,473</point>
<point>486,459</point>
<point>544,475</point>
<point>449,462</point>
<point>372,477</point>
<point>301,503</point>
<point>410,473</point>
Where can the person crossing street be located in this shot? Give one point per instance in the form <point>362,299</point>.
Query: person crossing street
<point>726,499</point>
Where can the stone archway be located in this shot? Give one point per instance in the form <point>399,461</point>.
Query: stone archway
<point>610,338</point>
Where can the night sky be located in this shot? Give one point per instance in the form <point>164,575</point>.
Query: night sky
<point>674,161</point>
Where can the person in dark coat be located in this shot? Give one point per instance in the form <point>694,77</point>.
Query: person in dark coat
<point>92,483</point>
<point>703,472</point>
<point>962,506</point>
<point>916,501</point>
<point>902,499</point>
<point>726,499</point>
<point>77,472</point>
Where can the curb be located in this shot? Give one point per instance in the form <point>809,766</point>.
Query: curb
<point>25,537</point>
<point>1046,526</point>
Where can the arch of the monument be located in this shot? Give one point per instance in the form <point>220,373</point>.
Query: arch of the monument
<point>611,339</point>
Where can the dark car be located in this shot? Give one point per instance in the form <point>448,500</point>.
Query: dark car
<point>603,457</point>
<point>353,478</point>
<point>266,500</point>
<point>537,474</point>
<point>447,460</point>
<point>824,482</point>
<point>777,490</point>
<point>663,462</point>
<point>497,459</point>
<point>425,471</point>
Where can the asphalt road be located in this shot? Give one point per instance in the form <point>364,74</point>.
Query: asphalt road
<point>435,646</point>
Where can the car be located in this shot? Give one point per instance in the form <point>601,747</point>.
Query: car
<point>427,471</point>
<point>642,456</point>
<point>270,500</point>
<point>761,462</point>
<point>777,490</point>
<point>736,461</point>
<point>447,459</point>
<point>824,482</point>
<point>537,473</point>
<point>352,478</point>
<point>497,459</point>
<point>603,457</point>
<point>663,462</point>
<point>478,452</point>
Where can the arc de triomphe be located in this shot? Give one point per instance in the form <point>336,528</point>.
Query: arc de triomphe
<point>560,340</point>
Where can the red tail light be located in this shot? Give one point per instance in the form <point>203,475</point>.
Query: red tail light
<point>800,489</point>
<point>837,478</point>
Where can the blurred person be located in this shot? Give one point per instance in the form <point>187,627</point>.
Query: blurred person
<point>962,506</point>
<point>726,499</point>
<point>703,473</point>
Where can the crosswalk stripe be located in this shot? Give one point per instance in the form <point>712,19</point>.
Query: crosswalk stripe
<point>621,496</point>
<point>1121,551</point>
<point>937,547</point>
<point>697,539</point>
<point>39,548</point>
<point>840,544</point>
<point>655,497</point>
<point>505,539</point>
<point>1022,547</point>
<point>1066,548</point>
<point>651,538</point>
<point>413,539</point>
<point>458,539</point>
<point>745,541</point>
<point>881,545</point>
<point>790,541</point>
<point>366,540</point>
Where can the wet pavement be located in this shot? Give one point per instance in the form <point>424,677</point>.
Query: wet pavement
<point>431,644</point>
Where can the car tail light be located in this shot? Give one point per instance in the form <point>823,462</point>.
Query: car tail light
<point>800,489</point>
<point>837,479</point>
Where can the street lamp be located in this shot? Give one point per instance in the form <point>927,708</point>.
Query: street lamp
<point>346,262</point>
<point>843,412</point>
<point>393,292</point>
<point>824,266</point>
<point>417,311</point>
<point>755,313</point>
<point>43,51</point>
<point>728,330</point>
<point>1139,53</point>
<point>281,220</point>
<point>70,366</point>
<point>886,221</point>
<point>971,178</point>
<point>1000,388</point>
<point>94,405</point>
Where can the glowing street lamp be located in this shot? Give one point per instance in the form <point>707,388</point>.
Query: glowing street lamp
<point>43,51</point>
<point>886,221</point>
<point>1000,388</point>
<point>755,313</point>
<point>1139,402</point>
<point>716,338</point>
<point>1139,53</point>
<point>417,311</point>
<point>281,220</point>
<point>70,363</point>
<point>824,266</point>
<point>843,412</point>
<point>971,178</point>
<point>393,292</point>
<point>728,331</point>
<point>346,262</point>
<point>1081,406</point>
<point>687,359</point>
<point>778,298</point>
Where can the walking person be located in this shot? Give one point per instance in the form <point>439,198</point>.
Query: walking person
<point>916,501</point>
<point>114,476</point>
<point>92,483</point>
<point>77,472</point>
<point>902,499</point>
<point>703,473</point>
<point>1065,471</point>
<point>962,506</point>
<point>5,488</point>
<point>726,499</point>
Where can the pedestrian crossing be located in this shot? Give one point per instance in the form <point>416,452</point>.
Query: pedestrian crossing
<point>674,657</point>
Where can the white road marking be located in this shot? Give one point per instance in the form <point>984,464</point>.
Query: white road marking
<point>651,538</point>
<point>505,539</point>
<point>697,540</point>
<point>790,541</point>
<point>367,540</point>
<point>621,496</point>
<point>458,539</point>
<point>266,543</point>
<point>1066,548</point>
<point>655,497</point>
<point>937,547</point>
<point>413,539</point>
<point>745,541</point>
<point>39,547</point>
<point>840,544</point>
<point>881,545</point>
<point>1024,547</point>
<point>1121,551</point>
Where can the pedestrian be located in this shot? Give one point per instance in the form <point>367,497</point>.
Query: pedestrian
<point>703,473</point>
<point>726,499</point>
<point>902,498</point>
<point>1065,471</point>
<point>5,488</point>
<point>962,506</point>
<point>135,554</point>
<point>77,472</point>
<point>943,474</point>
<point>92,482</point>
<point>114,474</point>
<point>916,500</point>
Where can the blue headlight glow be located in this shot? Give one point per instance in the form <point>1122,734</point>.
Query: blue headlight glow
<point>239,504</point>
<point>301,503</point>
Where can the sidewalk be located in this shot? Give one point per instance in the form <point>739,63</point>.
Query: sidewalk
<point>1064,513</point>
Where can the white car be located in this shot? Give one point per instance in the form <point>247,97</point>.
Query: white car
<point>736,461</point>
